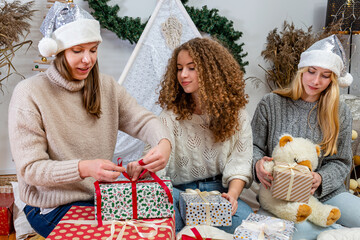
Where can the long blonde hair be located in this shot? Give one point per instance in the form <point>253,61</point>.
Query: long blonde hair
<point>327,112</point>
<point>91,91</point>
<point>221,87</point>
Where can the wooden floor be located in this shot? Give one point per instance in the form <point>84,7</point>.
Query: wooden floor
<point>11,237</point>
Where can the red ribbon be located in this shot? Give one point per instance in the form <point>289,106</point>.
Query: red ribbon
<point>196,233</point>
<point>133,189</point>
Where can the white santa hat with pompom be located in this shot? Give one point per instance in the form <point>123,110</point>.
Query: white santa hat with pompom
<point>328,53</point>
<point>67,25</point>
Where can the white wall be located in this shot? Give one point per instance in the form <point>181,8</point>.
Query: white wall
<point>254,18</point>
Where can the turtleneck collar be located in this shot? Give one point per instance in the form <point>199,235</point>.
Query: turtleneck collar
<point>56,78</point>
<point>304,104</point>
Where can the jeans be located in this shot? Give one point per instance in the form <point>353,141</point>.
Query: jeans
<point>350,215</point>
<point>43,224</point>
<point>242,212</point>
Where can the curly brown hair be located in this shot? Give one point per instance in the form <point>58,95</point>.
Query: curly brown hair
<point>221,87</point>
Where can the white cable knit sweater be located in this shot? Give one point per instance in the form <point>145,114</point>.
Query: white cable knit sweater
<point>196,156</point>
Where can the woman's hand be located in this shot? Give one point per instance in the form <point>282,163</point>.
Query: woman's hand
<point>233,201</point>
<point>264,176</point>
<point>235,188</point>
<point>155,160</point>
<point>316,182</point>
<point>100,169</point>
<point>134,170</point>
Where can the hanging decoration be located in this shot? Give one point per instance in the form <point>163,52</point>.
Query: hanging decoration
<point>172,30</point>
<point>206,20</point>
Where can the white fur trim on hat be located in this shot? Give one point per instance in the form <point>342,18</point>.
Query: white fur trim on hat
<point>323,59</point>
<point>346,80</point>
<point>47,47</point>
<point>71,34</point>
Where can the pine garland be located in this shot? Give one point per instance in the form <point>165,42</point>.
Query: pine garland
<point>206,20</point>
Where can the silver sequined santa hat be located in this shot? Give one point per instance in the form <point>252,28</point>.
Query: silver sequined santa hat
<point>67,25</point>
<point>328,53</point>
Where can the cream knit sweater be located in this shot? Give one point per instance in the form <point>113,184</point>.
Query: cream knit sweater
<point>50,132</point>
<point>196,156</point>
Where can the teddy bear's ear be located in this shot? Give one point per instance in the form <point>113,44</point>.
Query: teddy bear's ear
<point>284,140</point>
<point>317,150</point>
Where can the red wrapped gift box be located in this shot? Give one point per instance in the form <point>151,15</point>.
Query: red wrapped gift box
<point>6,206</point>
<point>79,223</point>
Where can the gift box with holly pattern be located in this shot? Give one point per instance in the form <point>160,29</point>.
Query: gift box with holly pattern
<point>141,199</point>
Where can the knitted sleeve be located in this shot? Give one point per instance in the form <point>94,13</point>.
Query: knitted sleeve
<point>334,169</point>
<point>239,163</point>
<point>28,142</point>
<point>259,125</point>
<point>137,121</point>
<point>166,118</point>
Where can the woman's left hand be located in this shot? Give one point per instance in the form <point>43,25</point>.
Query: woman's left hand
<point>232,200</point>
<point>316,182</point>
<point>155,160</point>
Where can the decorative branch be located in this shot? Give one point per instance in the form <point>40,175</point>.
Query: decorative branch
<point>283,51</point>
<point>13,27</point>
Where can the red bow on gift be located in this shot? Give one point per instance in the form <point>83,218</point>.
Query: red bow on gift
<point>133,189</point>
<point>196,233</point>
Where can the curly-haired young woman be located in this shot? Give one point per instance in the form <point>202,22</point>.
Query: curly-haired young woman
<point>203,98</point>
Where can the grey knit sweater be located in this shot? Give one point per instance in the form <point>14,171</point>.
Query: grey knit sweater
<point>276,115</point>
<point>50,132</point>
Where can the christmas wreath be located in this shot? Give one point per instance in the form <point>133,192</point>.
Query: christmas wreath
<point>206,20</point>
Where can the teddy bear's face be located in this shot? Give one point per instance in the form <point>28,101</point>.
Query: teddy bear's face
<point>297,150</point>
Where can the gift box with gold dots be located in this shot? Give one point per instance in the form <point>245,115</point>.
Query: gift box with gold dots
<point>79,223</point>
<point>212,210</point>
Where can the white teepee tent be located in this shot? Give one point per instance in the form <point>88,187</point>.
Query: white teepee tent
<point>169,26</point>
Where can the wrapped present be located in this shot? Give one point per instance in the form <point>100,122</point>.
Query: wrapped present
<point>292,182</point>
<point>260,227</point>
<point>6,208</point>
<point>197,235</point>
<point>203,232</point>
<point>204,208</point>
<point>79,223</point>
<point>141,199</point>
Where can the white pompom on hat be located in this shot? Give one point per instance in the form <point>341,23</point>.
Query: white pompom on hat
<point>328,53</point>
<point>67,25</point>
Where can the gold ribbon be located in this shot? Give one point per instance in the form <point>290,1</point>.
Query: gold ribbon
<point>133,223</point>
<point>283,167</point>
<point>203,196</point>
<point>269,227</point>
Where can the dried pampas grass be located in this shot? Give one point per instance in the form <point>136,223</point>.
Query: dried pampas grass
<point>13,28</point>
<point>283,50</point>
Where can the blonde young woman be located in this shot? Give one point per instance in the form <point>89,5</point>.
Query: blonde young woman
<point>63,123</point>
<point>203,98</point>
<point>310,108</point>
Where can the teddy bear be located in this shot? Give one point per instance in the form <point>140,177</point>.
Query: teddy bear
<point>303,152</point>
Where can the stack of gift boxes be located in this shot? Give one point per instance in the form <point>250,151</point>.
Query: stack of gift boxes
<point>123,210</point>
<point>144,208</point>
